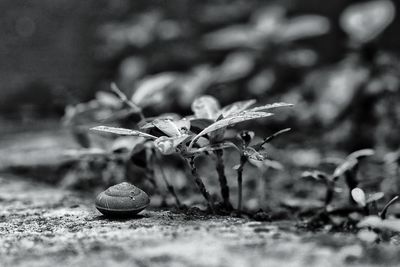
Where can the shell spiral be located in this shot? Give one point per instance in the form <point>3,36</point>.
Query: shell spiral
<point>122,200</point>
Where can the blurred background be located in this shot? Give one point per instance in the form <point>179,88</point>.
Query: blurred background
<point>337,61</point>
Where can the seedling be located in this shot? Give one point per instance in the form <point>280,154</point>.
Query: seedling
<point>347,168</point>
<point>177,135</point>
<point>176,132</point>
<point>382,214</point>
<point>360,198</point>
<point>247,153</point>
<point>327,179</point>
<point>206,111</point>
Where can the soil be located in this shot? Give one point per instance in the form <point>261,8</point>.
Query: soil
<point>44,226</point>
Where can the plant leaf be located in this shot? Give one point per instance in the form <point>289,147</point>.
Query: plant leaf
<point>230,121</point>
<point>237,65</point>
<point>365,21</point>
<point>235,108</point>
<point>252,154</point>
<point>231,37</point>
<point>375,197</point>
<point>270,138</point>
<point>195,83</point>
<point>236,167</point>
<point>122,131</point>
<point>200,124</point>
<point>266,164</point>
<point>126,143</point>
<point>205,107</point>
<point>80,153</point>
<point>358,196</point>
<point>361,154</point>
<point>213,147</point>
<point>344,167</point>
<point>152,89</point>
<point>304,26</point>
<point>269,106</point>
<point>108,100</point>
<point>168,145</point>
<point>170,127</point>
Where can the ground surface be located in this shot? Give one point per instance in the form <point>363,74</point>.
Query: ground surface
<point>44,226</point>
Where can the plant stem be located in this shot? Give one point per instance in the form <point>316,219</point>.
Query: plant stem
<point>200,184</point>
<point>273,136</point>
<point>384,210</point>
<point>330,189</point>
<point>222,178</point>
<point>170,187</point>
<point>128,102</point>
<point>243,160</point>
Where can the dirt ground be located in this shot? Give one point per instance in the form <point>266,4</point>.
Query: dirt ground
<point>44,226</point>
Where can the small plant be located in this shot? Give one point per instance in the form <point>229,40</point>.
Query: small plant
<point>203,133</point>
<point>347,168</point>
<point>359,197</point>
<point>247,153</point>
<point>207,111</point>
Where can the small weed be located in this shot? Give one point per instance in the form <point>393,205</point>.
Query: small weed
<point>203,132</point>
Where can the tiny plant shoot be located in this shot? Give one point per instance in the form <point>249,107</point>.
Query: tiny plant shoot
<point>347,168</point>
<point>247,152</point>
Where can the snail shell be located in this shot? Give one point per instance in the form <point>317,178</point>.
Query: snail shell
<point>122,200</point>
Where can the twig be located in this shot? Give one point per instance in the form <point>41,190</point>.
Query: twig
<point>124,99</point>
<point>200,184</point>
